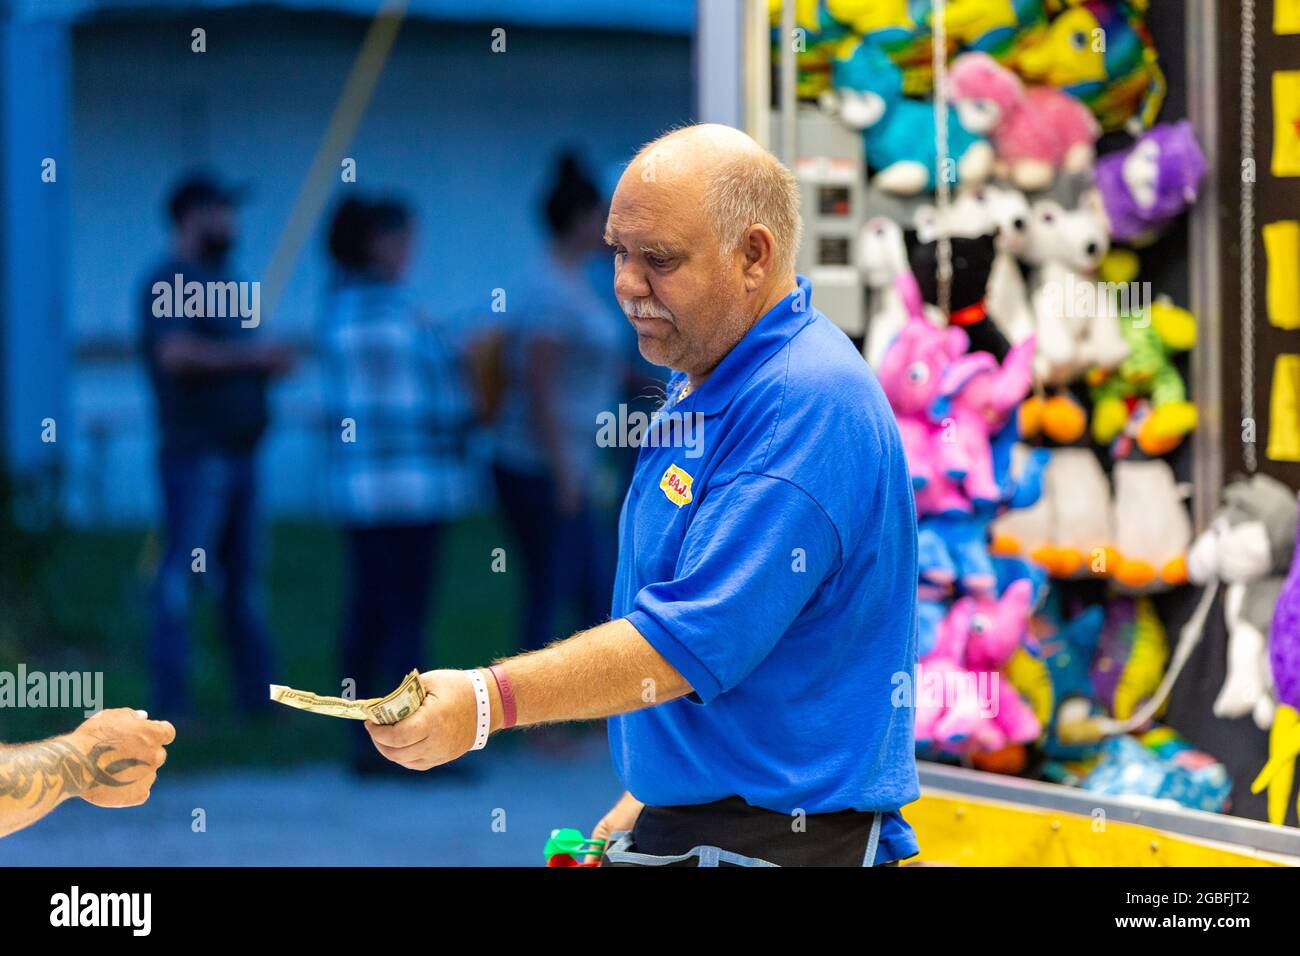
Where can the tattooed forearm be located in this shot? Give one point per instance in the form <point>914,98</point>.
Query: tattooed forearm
<point>57,767</point>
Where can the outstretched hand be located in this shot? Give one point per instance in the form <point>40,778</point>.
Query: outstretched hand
<point>439,732</point>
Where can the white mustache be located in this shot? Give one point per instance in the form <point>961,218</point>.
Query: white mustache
<point>643,309</point>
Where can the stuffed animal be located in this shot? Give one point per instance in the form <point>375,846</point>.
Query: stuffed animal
<point>972,265</point>
<point>996,27</point>
<point>904,30</point>
<point>1160,765</point>
<point>1077,326</point>
<point>1019,469</point>
<point>1146,186</point>
<point>1055,415</point>
<point>1056,681</point>
<point>901,29</point>
<point>1100,52</point>
<point>1247,548</point>
<point>1034,131</point>
<point>814,47</point>
<point>882,258</point>
<point>1152,528</point>
<point>911,371</point>
<point>930,612</point>
<point>952,546</point>
<point>899,133</point>
<point>1006,296</point>
<point>963,701</point>
<point>976,399</point>
<point>1284,736</point>
<point>1132,653</point>
<point>952,551</point>
<point>1154,337</point>
<point>977,212</point>
<point>1069,530</point>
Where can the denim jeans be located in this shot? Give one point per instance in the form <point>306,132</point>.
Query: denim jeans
<point>391,571</point>
<point>209,502</point>
<point>567,559</point>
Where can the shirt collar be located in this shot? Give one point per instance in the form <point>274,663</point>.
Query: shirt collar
<point>768,335</point>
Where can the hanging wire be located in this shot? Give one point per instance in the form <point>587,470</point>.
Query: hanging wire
<point>942,192</point>
<point>1248,233</point>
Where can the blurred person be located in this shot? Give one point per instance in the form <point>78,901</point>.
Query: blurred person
<point>566,360</point>
<point>764,607</point>
<point>209,371</point>
<point>111,760</point>
<point>403,473</point>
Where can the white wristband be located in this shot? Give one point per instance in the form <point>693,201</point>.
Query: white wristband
<point>484,725</point>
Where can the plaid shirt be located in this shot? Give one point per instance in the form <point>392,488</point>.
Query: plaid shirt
<point>395,373</point>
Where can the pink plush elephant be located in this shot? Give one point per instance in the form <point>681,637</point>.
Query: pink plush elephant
<point>911,371</point>
<point>976,399</point>
<point>1035,130</point>
<point>964,703</point>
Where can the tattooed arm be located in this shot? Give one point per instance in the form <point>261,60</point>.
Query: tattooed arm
<point>111,760</point>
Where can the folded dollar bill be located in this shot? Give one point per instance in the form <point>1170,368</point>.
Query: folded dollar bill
<point>401,703</point>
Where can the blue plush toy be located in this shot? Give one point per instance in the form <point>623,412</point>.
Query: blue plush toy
<point>899,133</point>
<point>929,615</point>
<point>1022,483</point>
<point>952,551</point>
<point>1058,681</point>
<point>952,548</point>
<point>1162,766</point>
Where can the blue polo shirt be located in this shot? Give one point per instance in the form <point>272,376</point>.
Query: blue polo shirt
<point>773,564</point>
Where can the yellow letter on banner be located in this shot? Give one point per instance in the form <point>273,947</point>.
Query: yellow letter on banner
<point>1282,247</point>
<point>1286,16</point>
<point>1284,410</point>
<point>1286,123</point>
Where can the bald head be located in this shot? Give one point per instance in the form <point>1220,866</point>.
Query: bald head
<point>736,182</point>
<point>705,227</point>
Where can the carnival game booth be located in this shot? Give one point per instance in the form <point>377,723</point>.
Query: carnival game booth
<point>1021,210</point>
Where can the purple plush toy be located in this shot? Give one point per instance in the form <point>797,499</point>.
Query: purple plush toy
<point>1284,659</point>
<point>1145,186</point>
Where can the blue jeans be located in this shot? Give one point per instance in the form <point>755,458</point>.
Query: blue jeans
<point>566,558</point>
<point>209,503</point>
<point>391,572</point>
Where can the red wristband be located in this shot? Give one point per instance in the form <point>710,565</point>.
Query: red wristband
<point>507,695</point>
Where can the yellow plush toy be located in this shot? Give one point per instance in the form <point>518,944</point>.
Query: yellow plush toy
<point>1101,52</point>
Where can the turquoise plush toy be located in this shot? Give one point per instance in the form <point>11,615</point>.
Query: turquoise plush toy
<point>1056,680</point>
<point>899,133</point>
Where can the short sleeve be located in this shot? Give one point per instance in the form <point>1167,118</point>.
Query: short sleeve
<point>153,326</point>
<point>755,553</point>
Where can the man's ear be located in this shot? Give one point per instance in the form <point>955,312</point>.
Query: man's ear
<point>759,249</point>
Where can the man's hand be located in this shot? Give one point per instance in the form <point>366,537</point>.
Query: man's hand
<point>124,751</point>
<point>622,816</point>
<point>439,732</point>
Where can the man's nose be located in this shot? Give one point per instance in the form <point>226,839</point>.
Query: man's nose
<point>630,282</point>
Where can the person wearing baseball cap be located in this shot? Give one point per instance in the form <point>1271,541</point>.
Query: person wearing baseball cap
<point>209,369</point>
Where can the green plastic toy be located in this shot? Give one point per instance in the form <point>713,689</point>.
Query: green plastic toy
<point>1149,373</point>
<point>567,847</point>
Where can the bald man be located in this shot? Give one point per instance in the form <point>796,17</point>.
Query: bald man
<point>764,606</point>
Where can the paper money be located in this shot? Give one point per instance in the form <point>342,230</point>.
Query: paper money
<point>401,703</point>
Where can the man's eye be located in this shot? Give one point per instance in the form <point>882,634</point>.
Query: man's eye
<point>657,261</point>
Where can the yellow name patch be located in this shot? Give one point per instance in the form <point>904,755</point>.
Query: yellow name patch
<point>676,484</point>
